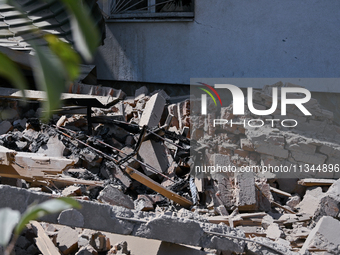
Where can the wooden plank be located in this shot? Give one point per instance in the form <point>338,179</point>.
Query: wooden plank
<point>138,176</point>
<point>316,182</point>
<point>219,219</point>
<point>280,192</point>
<point>252,215</point>
<point>43,242</point>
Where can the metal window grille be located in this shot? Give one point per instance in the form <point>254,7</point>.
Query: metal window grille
<point>128,7</point>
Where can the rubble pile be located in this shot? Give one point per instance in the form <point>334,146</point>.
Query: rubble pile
<point>132,167</point>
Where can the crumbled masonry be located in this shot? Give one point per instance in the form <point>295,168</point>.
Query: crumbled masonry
<point>131,165</point>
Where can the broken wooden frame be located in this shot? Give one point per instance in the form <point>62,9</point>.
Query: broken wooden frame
<point>37,168</point>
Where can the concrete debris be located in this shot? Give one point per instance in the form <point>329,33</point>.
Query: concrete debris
<point>155,155</point>
<point>67,240</point>
<point>71,191</point>
<point>87,250</point>
<point>133,166</point>
<point>71,217</point>
<point>120,248</point>
<point>153,111</point>
<point>324,236</point>
<point>114,196</point>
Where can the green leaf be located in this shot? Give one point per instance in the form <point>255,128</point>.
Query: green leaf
<point>8,219</point>
<point>66,54</point>
<point>85,33</point>
<point>10,71</point>
<point>49,75</point>
<point>48,207</point>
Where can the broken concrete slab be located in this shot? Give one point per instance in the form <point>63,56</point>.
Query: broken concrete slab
<point>153,111</point>
<point>109,218</point>
<point>324,236</point>
<point>310,201</point>
<point>67,240</point>
<point>154,154</point>
<point>71,217</point>
<point>114,196</point>
<point>245,192</point>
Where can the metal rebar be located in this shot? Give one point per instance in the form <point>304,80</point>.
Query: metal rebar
<point>152,169</point>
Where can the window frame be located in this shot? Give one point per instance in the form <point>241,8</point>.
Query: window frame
<point>150,15</point>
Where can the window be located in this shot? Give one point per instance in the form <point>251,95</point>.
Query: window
<point>150,9</point>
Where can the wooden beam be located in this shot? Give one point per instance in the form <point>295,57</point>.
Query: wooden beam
<point>138,176</point>
<point>316,182</point>
<point>43,242</point>
<point>286,194</point>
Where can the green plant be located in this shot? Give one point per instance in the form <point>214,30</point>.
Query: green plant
<point>12,223</point>
<point>56,66</point>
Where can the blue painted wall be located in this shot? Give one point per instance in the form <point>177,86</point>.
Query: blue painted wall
<point>228,38</point>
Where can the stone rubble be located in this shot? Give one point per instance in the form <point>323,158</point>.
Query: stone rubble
<point>230,213</point>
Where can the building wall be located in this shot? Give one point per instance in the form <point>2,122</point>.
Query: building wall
<point>228,38</point>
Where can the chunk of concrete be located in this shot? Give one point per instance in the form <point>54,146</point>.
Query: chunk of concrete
<point>100,242</point>
<point>71,217</point>
<point>119,248</point>
<point>293,201</point>
<point>67,240</point>
<point>153,111</point>
<point>53,148</point>
<point>5,126</point>
<point>71,191</point>
<point>114,196</point>
<point>85,237</point>
<point>142,91</point>
<point>154,154</point>
<point>245,192</point>
<point>311,201</point>
<point>143,203</point>
<point>324,236</point>
<point>87,250</point>
<point>274,232</point>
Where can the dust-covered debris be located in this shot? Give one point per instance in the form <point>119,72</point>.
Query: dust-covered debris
<point>132,165</point>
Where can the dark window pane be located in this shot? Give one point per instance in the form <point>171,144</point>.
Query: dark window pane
<point>174,6</point>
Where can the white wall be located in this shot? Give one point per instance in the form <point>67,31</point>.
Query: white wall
<point>228,38</point>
